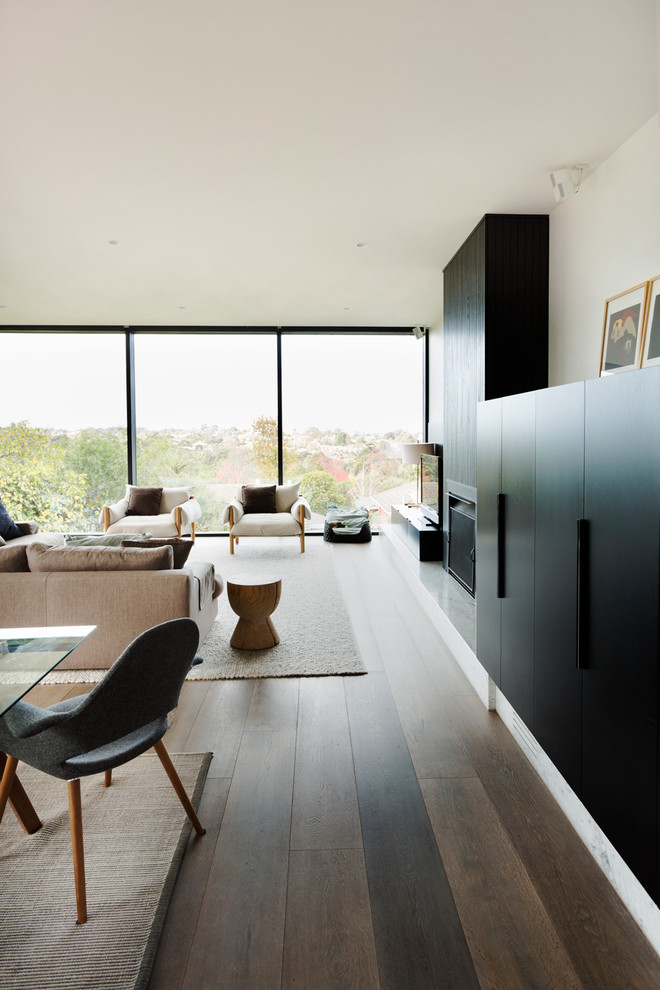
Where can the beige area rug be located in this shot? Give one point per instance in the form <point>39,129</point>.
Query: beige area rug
<point>316,636</point>
<point>135,835</point>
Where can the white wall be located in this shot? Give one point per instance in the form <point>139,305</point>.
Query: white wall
<point>602,241</point>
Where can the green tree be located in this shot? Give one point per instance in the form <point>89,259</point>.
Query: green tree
<point>264,449</point>
<point>319,488</point>
<point>37,483</point>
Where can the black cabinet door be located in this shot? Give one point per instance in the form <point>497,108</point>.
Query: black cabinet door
<point>517,602</point>
<point>489,445</point>
<point>559,506</point>
<point>620,682</point>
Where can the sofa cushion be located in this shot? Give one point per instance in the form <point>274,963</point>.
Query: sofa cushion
<point>8,528</point>
<point>44,558</point>
<point>259,498</point>
<point>144,501</point>
<point>285,496</point>
<point>13,559</point>
<point>102,539</point>
<point>180,547</point>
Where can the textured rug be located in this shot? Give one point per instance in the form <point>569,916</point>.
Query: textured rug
<point>135,835</point>
<point>316,636</point>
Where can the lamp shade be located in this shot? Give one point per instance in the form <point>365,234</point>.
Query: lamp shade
<point>411,452</point>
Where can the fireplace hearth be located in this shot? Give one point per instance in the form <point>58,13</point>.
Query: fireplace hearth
<point>461,533</point>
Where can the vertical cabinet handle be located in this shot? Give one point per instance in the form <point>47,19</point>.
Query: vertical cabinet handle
<point>582,650</point>
<point>501,591</point>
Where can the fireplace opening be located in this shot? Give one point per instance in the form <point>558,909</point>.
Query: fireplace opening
<point>461,539</point>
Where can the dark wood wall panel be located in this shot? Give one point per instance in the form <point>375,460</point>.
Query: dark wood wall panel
<point>464,357</point>
<point>495,327</point>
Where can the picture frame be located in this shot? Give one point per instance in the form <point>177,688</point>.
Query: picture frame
<point>651,336</point>
<point>621,345</point>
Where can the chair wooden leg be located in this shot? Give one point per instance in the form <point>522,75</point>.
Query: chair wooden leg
<point>192,531</point>
<point>75,817</point>
<point>302,529</point>
<point>175,780</point>
<point>107,780</point>
<point>7,781</point>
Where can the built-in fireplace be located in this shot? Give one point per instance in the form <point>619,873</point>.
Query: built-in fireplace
<point>461,533</point>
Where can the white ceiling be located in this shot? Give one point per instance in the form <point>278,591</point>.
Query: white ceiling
<point>238,150</point>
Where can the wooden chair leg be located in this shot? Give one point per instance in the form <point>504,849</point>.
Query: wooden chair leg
<point>75,817</point>
<point>302,528</point>
<point>107,780</point>
<point>175,780</point>
<point>177,520</point>
<point>7,781</point>
<point>192,531</point>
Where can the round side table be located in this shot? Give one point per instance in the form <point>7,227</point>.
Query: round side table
<point>254,599</point>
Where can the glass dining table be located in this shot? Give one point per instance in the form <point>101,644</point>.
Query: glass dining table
<point>26,656</point>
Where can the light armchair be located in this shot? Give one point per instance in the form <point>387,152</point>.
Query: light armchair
<point>177,514</point>
<point>288,518</point>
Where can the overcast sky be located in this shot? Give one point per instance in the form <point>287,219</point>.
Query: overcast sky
<point>67,381</point>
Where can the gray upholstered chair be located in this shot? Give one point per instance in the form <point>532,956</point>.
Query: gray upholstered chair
<point>122,717</point>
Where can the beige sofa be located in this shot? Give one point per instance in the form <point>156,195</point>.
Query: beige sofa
<point>101,587</point>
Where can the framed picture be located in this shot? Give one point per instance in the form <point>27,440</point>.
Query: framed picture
<point>651,337</point>
<point>621,348</point>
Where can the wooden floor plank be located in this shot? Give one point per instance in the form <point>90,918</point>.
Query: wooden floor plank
<point>325,808</point>
<point>274,704</point>
<point>171,962</point>
<point>434,745</point>
<point>239,936</point>
<point>605,946</point>
<point>219,723</point>
<point>419,939</point>
<point>357,593</point>
<point>183,717</point>
<point>329,940</point>
<point>501,914</point>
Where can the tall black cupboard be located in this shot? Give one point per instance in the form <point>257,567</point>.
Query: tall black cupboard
<point>591,516</point>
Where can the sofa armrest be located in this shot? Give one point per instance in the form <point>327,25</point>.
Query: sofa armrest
<point>295,508</point>
<point>28,527</point>
<point>116,512</point>
<point>238,511</point>
<point>191,511</point>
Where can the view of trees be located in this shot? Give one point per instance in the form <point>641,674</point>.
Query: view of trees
<point>62,480</point>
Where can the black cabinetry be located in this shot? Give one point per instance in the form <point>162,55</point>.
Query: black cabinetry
<point>574,488</point>
<point>505,547</point>
<point>559,504</point>
<point>422,538</point>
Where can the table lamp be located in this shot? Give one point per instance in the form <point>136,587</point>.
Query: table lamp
<point>411,454</point>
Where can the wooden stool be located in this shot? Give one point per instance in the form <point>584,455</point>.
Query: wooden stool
<point>254,600</point>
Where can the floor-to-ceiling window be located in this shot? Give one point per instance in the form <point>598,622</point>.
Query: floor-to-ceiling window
<point>206,414</point>
<point>62,426</point>
<point>348,403</point>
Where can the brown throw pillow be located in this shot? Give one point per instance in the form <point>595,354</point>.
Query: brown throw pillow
<point>13,559</point>
<point>144,501</point>
<point>43,558</point>
<point>181,548</point>
<point>258,499</point>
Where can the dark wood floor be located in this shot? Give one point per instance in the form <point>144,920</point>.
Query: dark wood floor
<point>381,831</point>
